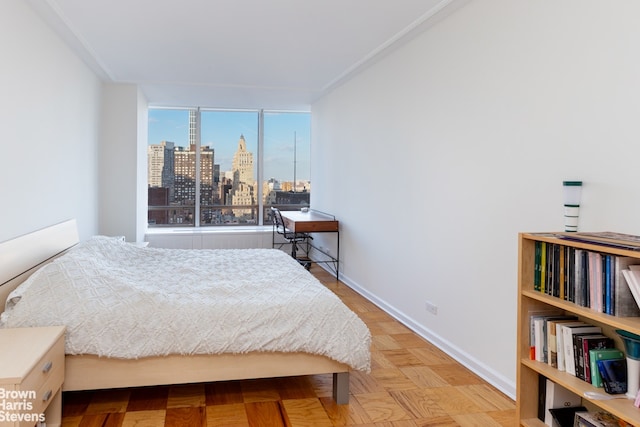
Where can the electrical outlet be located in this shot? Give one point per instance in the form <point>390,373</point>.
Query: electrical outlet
<point>431,307</point>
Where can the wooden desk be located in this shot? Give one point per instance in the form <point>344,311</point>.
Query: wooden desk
<point>309,222</point>
<point>315,222</point>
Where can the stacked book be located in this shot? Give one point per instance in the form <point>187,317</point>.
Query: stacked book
<point>597,419</point>
<point>570,345</point>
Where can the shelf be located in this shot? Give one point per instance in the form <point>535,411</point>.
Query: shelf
<point>529,301</point>
<point>533,422</point>
<point>622,408</point>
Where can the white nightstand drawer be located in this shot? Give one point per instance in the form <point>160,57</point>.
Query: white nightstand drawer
<point>48,366</point>
<point>31,375</point>
<point>48,390</point>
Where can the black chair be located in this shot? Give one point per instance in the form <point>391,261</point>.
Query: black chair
<point>290,236</point>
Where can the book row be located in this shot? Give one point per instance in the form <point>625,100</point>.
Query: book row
<point>587,278</point>
<point>558,406</point>
<point>570,345</point>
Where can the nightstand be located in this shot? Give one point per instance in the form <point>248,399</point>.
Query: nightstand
<point>31,376</point>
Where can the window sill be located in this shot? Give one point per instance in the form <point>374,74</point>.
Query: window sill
<point>249,229</point>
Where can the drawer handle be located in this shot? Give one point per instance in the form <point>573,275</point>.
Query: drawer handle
<point>47,367</point>
<point>47,396</point>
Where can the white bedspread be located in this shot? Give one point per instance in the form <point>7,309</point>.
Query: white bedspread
<point>119,300</point>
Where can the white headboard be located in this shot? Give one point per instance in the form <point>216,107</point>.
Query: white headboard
<point>21,256</point>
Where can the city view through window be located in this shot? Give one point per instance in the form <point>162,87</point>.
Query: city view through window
<point>212,167</point>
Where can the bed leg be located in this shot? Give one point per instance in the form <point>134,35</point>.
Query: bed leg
<point>341,387</point>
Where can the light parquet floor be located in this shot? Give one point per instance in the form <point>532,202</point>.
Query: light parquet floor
<point>411,384</point>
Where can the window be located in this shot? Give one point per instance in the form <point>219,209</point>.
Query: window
<point>287,154</point>
<point>214,167</point>
<point>231,139</point>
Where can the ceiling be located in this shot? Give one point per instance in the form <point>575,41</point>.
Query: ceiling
<point>272,54</point>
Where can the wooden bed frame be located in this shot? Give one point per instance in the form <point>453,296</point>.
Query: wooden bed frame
<point>25,254</point>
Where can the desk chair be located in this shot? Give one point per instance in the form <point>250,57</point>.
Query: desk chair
<point>290,236</point>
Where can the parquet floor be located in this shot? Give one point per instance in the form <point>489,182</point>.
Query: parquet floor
<point>411,384</point>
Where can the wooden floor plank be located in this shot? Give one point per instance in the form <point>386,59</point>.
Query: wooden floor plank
<point>418,403</point>
<point>223,393</point>
<point>144,418</point>
<point>109,401</point>
<point>264,414</point>
<point>186,416</point>
<point>307,412</point>
<point>231,415</point>
<point>148,398</point>
<point>382,407</point>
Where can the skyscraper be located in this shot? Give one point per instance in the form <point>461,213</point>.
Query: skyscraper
<point>243,164</point>
<point>185,174</point>
<point>172,169</point>
<point>242,190</point>
<point>160,164</point>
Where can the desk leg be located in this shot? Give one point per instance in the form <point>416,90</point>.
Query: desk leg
<point>338,255</point>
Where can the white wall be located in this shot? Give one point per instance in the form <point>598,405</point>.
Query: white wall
<point>49,117</point>
<point>444,150</point>
<point>123,162</point>
<point>142,200</point>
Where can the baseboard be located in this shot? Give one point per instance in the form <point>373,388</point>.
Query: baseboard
<point>497,380</point>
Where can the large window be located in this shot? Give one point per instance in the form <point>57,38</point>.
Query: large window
<point>213,167</point>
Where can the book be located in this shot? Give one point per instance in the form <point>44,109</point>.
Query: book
<point>601,354</point>
<point>633,285</point>
<point>624,303</point>
<point>560,341</point>
<point>586,284</point>
<point>577,277</point>
<point>536,267</point>
<point>636,269</point>
<point>595,281</point>
<point>543,266</point>
<point>533,315</point>
<point>538,334</point>
<point>548,286</point>
<point>552,342</point>
<point>608,239</point>
<point>562,274</point>
<point>541,335</point>
<point>581,263</point>
<point>608,289</point>
<point>555,270</point>
<point>570,273</point>
<point>610,236</point>
<point>542,396</point>
<point>597,419</point>
<point>568,332</point>
<point>582,345</point>
<point>557,396</point>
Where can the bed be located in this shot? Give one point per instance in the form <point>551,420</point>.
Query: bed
<point>172,301</point>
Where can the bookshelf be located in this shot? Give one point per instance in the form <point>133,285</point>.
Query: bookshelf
<point>531,300</point>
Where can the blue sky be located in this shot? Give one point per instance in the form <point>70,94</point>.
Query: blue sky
<point>221,131</point>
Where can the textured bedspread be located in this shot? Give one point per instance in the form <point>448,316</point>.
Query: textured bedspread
<point>119,300</point>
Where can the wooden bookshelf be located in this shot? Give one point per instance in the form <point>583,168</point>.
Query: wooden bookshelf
<point>531,300</point>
